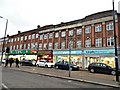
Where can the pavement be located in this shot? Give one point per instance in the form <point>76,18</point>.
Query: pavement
<point>81,75</point>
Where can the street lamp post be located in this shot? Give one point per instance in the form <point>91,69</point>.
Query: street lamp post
<point>4,37</point>
<point>116,56</point>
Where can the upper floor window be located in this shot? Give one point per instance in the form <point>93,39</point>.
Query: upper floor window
<point>88,43</point>
<point>50,45</point>
<point>28,45</point>
<point>110,41</point>
<point>63,33</point>
<point>41,36</point>
<point>20,46</point>
<point>71,33</point>
<point>14,39</point>
<point>63,45</point>
<point>36,35</point>
<point>98,28</point>
<point>40,46</point>
<point>29,36</point>
<point>98,42</point>
<point>56,45</point>
<point>17,47</point>
<point>79,44</point>
<point>50,35</point>
<point>33,36</point>
<point>25,37</point>
<point>56,34</point>
<point>79,31</point>
<point>88,29</point>
<point>24,46</point>
<point>70,44</point>
<point>109,26</point>
<point>45,46</point>
<point>45,36</point>
<point>21,38</point>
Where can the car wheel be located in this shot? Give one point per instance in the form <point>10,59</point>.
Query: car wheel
<point>56,67</point>
<point>46,66</point>
<point>113,72</point>
<point>92,70</point>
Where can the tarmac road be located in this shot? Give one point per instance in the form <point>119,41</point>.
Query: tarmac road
<point>17,79</point>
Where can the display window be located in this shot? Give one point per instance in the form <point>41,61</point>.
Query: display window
<point>108,60</point>
<point>77,60</point>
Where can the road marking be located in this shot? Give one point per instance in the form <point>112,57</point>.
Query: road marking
<point>5,86</point>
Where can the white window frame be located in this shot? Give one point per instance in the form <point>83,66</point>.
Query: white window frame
<point>110,41</point>
<point>98,28</point>
<point>56,45</point>
<point>88,29</point>
<point>88,43</point>
<point>63,45</point>
<point>78,44</point>
<point>98,42</point>
<point>109,26</point>
<point>50,35</point>
<point>56,34</point>
<point>63,34</point>
<point>71,33</point>
<point>79,31</point>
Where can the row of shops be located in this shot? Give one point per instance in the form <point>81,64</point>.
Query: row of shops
<point>81,58</point>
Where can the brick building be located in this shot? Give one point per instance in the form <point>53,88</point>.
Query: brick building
<point>86,40</point>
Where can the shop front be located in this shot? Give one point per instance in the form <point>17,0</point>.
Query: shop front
<point>99,56</point>
<point>45,54</point>
<point>23,54</point>
<point>65,55</point>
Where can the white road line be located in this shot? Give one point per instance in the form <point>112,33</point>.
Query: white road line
<point>5,86</point>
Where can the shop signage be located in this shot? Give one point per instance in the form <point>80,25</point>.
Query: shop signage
<point>67,52</point>
<point>107,51</point>
<point>20,52</point>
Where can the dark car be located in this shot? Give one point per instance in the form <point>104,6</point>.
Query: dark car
<point>26,63</point>
<point>65,66</point>
<point>102,68</point>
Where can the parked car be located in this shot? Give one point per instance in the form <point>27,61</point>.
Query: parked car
<point>26,63</point>
<point>65,66</point>
<point>44,63</point>
<point>101,68</point>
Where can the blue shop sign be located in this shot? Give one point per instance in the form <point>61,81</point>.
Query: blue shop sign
<point>107,51</point>
<point>67,52</point>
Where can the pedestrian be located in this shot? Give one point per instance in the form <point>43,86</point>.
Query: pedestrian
<point>11,61</point>
<point>17,62</point>
<point>6,63</point>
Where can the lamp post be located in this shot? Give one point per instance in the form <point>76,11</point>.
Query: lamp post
<point>4,37</point>
<point>116,56</point>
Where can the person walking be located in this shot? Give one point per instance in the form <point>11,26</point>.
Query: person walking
<point>17,62</point>
<point>11,61</point>
<point>6,63</point>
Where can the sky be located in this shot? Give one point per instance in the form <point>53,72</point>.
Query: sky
<point>24,15</point>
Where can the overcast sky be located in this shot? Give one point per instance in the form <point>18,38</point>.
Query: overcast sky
<point>25,15</point>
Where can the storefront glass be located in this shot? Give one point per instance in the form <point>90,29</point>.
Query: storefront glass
<point>77,60</point>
